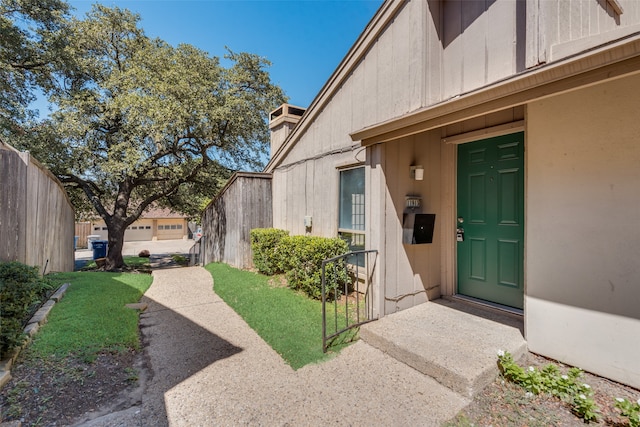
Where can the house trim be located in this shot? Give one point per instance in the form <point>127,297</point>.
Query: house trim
<point>606,63</point>
<point>485,133</point>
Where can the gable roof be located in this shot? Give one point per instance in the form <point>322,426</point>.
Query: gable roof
<point>374,28</point>
<point>617,57</point>
<point>156,213</point>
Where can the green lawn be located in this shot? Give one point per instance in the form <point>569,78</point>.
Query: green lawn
<point>92,316</point>
<point>130,260</point>
<point>289,322</point>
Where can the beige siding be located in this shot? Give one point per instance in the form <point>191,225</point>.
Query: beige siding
<point>408,274</point>
<point>481,43</point>
<point>583,229</point>
<point>571,26</point>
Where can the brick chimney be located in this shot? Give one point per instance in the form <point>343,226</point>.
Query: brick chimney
<point>282,120</point>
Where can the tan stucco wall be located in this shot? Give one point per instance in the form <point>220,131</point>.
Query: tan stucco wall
<point>583,229</point>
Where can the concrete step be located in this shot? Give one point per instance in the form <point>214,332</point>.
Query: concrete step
<point>453,342</point>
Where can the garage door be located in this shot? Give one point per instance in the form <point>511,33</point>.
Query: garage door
<point>139,231</point>
<point>170,230</point>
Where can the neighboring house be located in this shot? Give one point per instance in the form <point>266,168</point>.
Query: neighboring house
<point>516,124</point>
<point>154,224</point>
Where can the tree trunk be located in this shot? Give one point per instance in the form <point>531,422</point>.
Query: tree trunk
<point>114,259</point>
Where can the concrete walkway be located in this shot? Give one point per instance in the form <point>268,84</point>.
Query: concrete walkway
<point>210,368</point>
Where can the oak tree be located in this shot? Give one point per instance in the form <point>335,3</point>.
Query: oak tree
<point>140,122</point>
<point>32,38</point>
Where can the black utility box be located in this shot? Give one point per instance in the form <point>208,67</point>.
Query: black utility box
<point>418,228</point>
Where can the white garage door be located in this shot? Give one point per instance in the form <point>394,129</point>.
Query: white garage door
<point>139,231</point>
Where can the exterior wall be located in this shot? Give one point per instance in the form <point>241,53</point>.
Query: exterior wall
<point>310,188</point>
<point>408,274</point>
<point>36,216</point>
<point>583,229</point>
<point>482,42</point>
<point>570,26</point>
<point>242,205</point>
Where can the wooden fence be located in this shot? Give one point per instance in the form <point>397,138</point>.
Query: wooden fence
<point>243,204</point>
<point>82,231</point>
<point>36,215</point>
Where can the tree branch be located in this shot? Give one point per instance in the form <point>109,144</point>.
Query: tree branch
<point>91,191</point>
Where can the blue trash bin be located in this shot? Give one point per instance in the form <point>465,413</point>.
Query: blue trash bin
<point>99,249</point>
<point>75,243</point>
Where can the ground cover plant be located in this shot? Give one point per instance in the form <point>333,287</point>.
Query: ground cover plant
<point>83,357</point>
<point>22,290</point>
<point>289,321</point>
<point>511,400</point>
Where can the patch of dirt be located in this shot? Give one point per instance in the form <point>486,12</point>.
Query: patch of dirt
<point>506,404</point>
<point>277,281</point>
<point>59,392</point>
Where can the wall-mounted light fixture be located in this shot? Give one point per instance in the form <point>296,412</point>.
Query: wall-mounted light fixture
<point>417,172</point>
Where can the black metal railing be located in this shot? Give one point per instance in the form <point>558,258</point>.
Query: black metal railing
<point>346,284</point>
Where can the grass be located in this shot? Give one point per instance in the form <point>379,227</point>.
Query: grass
<point>92,316</point>
<point>131,261</point>
<point>289,322</point>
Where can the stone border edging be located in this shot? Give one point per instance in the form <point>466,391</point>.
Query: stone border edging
<point>38,319</point>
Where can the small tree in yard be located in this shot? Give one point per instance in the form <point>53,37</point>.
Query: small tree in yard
<point>140,122</point>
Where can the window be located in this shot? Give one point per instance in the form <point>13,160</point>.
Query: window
<point>134,227</point>
<point>96,228</point>
<point>161,227</point>
<point>179,226</point>
<point>351,209</point>
<point>104,228</point>
<point>147,227</point>
<point>173,226</point>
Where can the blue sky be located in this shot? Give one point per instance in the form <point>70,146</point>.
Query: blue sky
<point>305,40</point>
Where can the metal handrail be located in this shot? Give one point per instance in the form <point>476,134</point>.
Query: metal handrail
<point>368,294</point>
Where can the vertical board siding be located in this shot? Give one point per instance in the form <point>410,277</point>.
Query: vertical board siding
<point>244,204</point>
<point>573,20</point>
<point>36,216</point>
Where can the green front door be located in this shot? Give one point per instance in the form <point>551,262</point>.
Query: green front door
<point>491,219</point>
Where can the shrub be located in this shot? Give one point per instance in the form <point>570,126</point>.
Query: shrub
<point>264,245</point>
<point>21,287</point>
<point>301,258</point>
<point>144,253</point>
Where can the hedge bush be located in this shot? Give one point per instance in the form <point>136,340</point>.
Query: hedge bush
<point>21,288</point>
<point>264,244</point>
<point>301,259</point>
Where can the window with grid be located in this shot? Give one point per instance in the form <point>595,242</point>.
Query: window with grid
<point>351,208</point>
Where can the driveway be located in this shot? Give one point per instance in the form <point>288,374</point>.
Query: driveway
<point>158,249</point>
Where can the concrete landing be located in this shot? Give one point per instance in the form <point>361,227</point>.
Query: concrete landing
<point>453,342</point>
